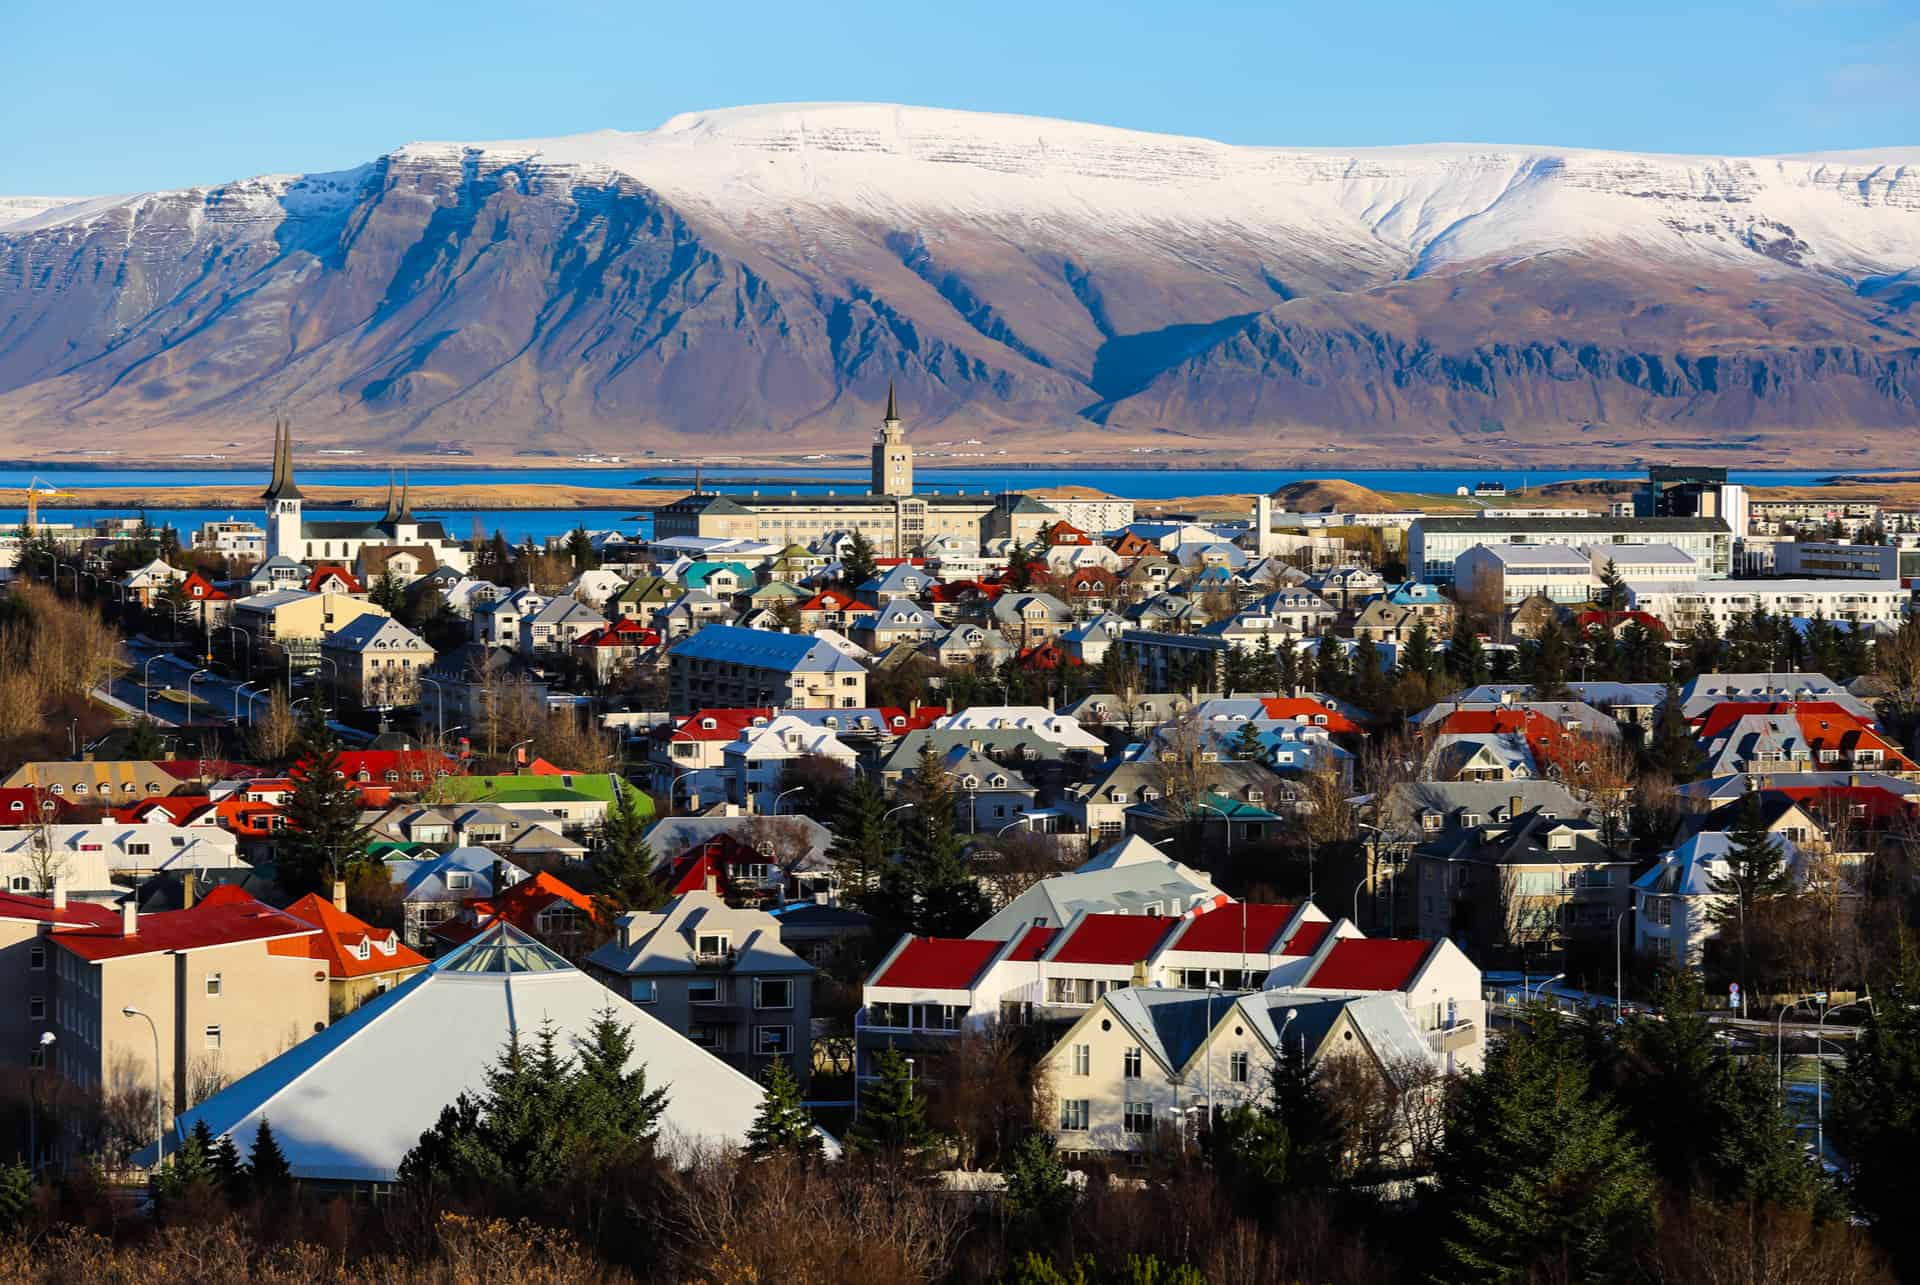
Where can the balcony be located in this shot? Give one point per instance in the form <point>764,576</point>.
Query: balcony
<point>1452,1039</point>
<point>713,957</point>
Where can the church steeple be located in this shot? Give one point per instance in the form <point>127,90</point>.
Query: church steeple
<point>406,510</point>
<point>282,487</point>
<point>892,456</point>
<point>893,410</point>
<point>393,502</point>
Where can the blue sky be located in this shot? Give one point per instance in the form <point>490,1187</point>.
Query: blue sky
<point>115,96</point>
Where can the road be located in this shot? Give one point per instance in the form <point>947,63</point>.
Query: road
<point>222,697</point>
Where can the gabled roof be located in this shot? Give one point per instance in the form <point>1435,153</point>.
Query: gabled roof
<point>1370,964</point>
<point>521,905</point>
<point>1254,927</point>
<point>324,571</point>
<point>938,963</point>
<point>342,935</point>
<point>1109,939</point>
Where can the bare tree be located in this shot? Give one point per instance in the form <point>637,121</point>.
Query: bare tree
<point>46,863</point>
<point>1185,767</point>
<point>275,730</point>
<point>785,841</point>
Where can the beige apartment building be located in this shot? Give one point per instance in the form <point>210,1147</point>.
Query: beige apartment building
<point>293,621</point>
<point>229,984</point>
<point>377,662</point>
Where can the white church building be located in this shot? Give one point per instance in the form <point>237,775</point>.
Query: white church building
<point>292,534</point>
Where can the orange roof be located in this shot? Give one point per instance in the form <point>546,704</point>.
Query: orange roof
<point>223,917</point>
<point>519,905</point>
<point>342,938</point>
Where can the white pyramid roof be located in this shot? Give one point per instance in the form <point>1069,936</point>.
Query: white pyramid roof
<point>347,1104</point>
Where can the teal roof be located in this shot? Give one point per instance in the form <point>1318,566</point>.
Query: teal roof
<point>698,574</point>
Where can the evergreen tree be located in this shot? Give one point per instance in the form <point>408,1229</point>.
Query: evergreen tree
<point>863,839</point>
<point>143,741</point>
<point>1822,645</point>
<point>1873,1116</point>
<point>1674,750</point>
<point>1018,573</point>
<point>1248,747</point>
<point>1265,667</point>
<point>268,1173</point>
<point>783,1126</point>
<point>1369,685</point>
<point>1287,675</point>
<point>893,1113</point>
<point>1305,1118</point>
<point>1039,1194</point>
<point>1501,665</point>
<point>323,837</point>
<point>1538,1179</point>
<point>857,565</point>
<point>1756,868</point>
<point>1330,666</point>
<point>500,560</point>
<point>16,1198</point>
<point>1418,657</point>
<point>580,550</point>
<point>1855,654</point>
<point>229,1170</point>
<point>1613,590</point>
<point>1466,658</point>
<point>622,859</point>
<point>612,1105</point>
<point>931,884</point>
<point>1713,1123</point>
<point>1704,646</point>
<point>1548,662</point>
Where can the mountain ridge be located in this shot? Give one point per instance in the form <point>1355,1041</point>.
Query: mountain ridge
<point>753,277</point>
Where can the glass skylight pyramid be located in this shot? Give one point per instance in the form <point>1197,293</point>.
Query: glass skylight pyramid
<point>502,948</point>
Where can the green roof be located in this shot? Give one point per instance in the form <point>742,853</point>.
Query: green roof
<point>577,787</point>
<point>1238,809</point>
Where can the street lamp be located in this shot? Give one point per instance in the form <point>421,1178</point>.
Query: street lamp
<point>1202,803</point>
<point>251,697</point>
<point>1619,985</point>
<point>1539,986</point>
<point>159,1128</point>
<point>783,794</point>
<point>1019,820</point>
<point>1779,1059</point>
<point>146,683</point>
<point>890,811</point>
<point>190,677</point>
<point>1820,1081</point>
<point>440,694</point>
<point>33,1104</point>
<point>514,749</point>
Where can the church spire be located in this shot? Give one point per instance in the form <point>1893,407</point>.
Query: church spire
<point>282,487</point>
<point>393,502</point>
<point>893,410</point>
<point>406,511</point>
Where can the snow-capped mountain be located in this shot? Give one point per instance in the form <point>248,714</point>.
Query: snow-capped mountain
<point>755,276</point>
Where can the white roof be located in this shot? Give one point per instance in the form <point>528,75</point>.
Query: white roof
<point>348,1103</point>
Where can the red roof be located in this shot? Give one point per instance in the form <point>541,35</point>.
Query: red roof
<point>1613,621</point>
<point>1370,964</point>
<point>171,809</point>
<point>1296,707</point>
<point>1721,718</point>
<point>1047,655</point>
<point>194,769</point>
<point>324,570</point>
<point>520,905</point>
<point>18,804</point>
<point>402,763</point>
<point>688,873</point>
<point>727,723</point>
<point>200,589</point>
<point>1112,939</point>
<point>40,910</point>
<point>1238,925</point>
<point>831,600</point>
<point>1882,805</point>
<point>1031,943</point>
<point>1306,938</point>
<point>223,917</point>
<point>342,935</point>
<point>938,963</point>
<point>624,632</point>
<point>1826,725</point>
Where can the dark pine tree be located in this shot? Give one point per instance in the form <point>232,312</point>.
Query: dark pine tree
<point>323,835</point>
<point>783,1126</point>
<point>892,1120</point>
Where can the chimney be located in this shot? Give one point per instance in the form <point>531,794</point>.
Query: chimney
<point>129,917</point>
<point>496,876</point>
<point>59,894</point>
<point>1515,806</point>
<point>713,880</point>
<point>187,891</point>
<point>340,895</point>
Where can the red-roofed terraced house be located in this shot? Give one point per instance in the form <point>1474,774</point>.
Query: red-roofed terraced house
<point>1437,985</point>
<point>229,984</point>
<point>362,961</point>
<point>926,990</point>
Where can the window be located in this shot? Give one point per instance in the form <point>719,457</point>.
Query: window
<point>1137,1117</point>
<point>1130,1064</point>
<point>773,1041</point>
<point>1083,1059</point>
<point>138,849</point>
<point>213,983</point>
<point>773,993</point>
<point>213,1038</point>
<point>1239,1066</point>
<point>1074,1115</point>
<point>37,958</point>
<point>459,881</point>
<point>706,990</point>
<point>37,1008</point>
<point>711,945</point>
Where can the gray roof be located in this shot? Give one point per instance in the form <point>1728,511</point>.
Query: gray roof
<point>1596,694</point>
<point>377,633</point>
<point>662,941</point>
<point>1128,887</point>
<point>671,836</point>
<point>764,649</point>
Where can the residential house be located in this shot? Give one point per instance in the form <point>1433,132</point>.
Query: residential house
<point>377,662</point>
<point>901,620</point>
<point>556,626</point>
<point>726,666</point>
<point>294,623</point>
<point>434,888</point>
<point>1675,903</point>
<point>720,976</point>
<point>362,961</point>
<point>755,763</point>
<point>496,623</point>
<point>542,906</point>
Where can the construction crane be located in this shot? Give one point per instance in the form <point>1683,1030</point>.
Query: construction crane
<point>38,490</point>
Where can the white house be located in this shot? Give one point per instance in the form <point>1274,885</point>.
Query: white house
<point>754,762</point>
<point>1674,902</point>
<point>1682,604</point>
<point>1512,573</point>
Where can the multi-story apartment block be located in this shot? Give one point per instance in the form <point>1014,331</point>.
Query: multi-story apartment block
<point>720,976</point>
<point>726,666</point>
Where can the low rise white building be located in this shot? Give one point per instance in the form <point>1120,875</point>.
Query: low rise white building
<point>1513,573</point>
<point>1680,605</point>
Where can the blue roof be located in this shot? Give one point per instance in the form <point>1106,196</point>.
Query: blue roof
<point>763,649</point>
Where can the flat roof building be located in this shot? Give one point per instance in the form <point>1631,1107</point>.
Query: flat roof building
<point>1434,544</point>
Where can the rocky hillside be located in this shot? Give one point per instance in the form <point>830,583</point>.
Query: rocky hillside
<point>750,280</point>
